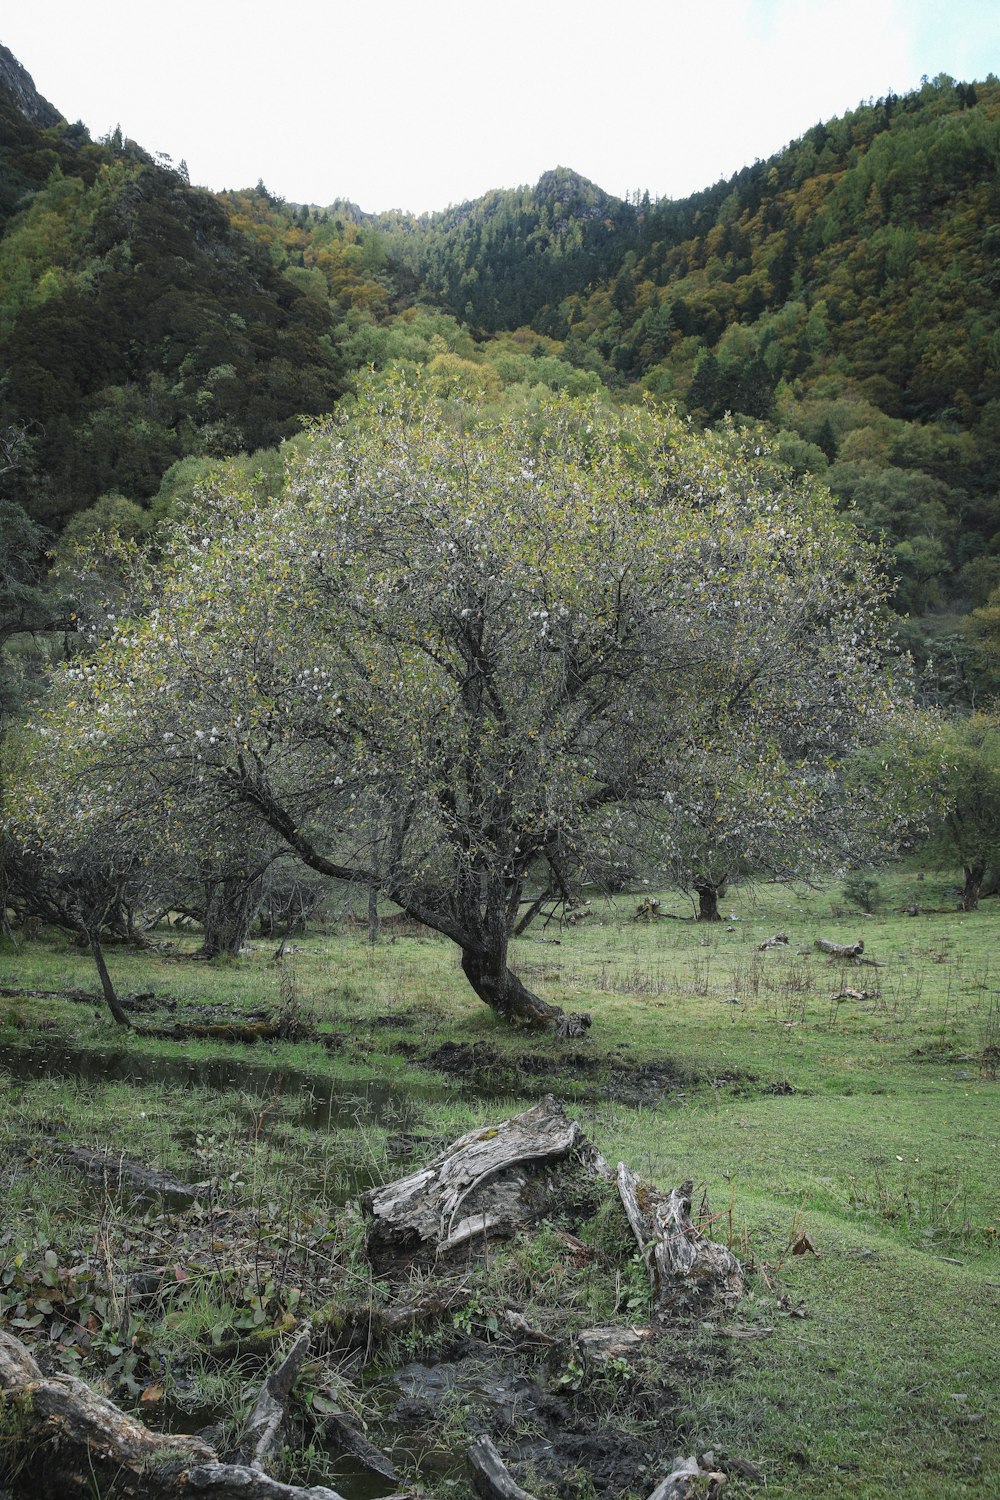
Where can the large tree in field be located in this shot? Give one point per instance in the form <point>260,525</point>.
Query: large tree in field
<point>454,655</point>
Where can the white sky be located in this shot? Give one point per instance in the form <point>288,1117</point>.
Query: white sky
<point>416,104</point>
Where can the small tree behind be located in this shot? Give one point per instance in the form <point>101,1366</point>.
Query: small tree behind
<point>968,793</point>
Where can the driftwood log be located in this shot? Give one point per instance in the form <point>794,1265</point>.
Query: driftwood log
<point>78,1443</point>
<point>118,1172</point>
<point>681,1259</point>
<point>479,1187</point>
<point>850,951</point>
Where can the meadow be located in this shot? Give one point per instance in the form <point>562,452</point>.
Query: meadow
<point>845,1146</point>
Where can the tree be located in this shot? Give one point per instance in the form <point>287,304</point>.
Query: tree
<point>766,816</point>
<point>454,659</point>
<point>967,752</point>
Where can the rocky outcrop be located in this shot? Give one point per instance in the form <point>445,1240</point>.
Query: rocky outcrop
<point>20,85</point>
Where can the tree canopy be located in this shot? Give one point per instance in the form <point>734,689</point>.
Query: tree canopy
<point>456,659</point>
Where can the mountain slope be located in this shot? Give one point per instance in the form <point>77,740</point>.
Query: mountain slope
<point>844,291</point>
<point>137,324</point>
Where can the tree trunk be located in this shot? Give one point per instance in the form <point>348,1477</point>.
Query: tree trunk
<point>230,910</point>
<point>504,993</point>
<point>97,954</point>
<point>974,877</point>
<point>708,902</point>
<point>374,924</point>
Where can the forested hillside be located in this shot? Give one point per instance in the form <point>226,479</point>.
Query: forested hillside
<point>137,324</point>
<point>843,293</point>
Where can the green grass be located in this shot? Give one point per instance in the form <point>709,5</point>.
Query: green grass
<point>871,1125</point>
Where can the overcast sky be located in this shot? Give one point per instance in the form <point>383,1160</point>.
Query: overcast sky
<point>416,104</point>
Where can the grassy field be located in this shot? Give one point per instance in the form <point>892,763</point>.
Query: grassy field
<point>870,1126</point>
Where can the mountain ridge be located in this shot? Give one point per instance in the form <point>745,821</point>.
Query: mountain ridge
<point>843,293</point>
<point>18,82</point>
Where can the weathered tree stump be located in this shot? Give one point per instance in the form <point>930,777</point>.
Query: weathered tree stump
<point>479,1187</point>
<point>690,1480</point>
<point>647,910</point>
<point>601,1345</point>
<point>681,1259</point>
<point>265,1431</point>
<point>576,1024</point>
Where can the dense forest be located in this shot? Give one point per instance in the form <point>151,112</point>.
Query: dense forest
<point>842,294</point>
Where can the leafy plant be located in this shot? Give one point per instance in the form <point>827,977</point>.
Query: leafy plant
<point>863,891</point>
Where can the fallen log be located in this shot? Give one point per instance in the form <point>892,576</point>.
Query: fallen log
<point>850,951</point>
<point>117,1172</point>
<point>681,1259</point>
<point>71,1442</point>
<point>491,1479</point>
<point>16,992</point>
<point>225,1031</point>
<point>779,940</point>
<point>479,1187</point>
<point>420,1307</point>
<point>340,1430</point>
<point>78,996</point>
<point>234,1482</point>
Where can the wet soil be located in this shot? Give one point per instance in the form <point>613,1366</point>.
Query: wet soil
<point>484,1070</point>
<point>553,1423</point>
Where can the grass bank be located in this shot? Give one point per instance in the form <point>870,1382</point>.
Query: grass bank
<point>863,1129</point>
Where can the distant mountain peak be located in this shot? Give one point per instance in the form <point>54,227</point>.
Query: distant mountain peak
<point>21,86</point>
<point>563,179</point>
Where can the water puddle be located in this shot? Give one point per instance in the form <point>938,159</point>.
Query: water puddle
<point>351,1479</point>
